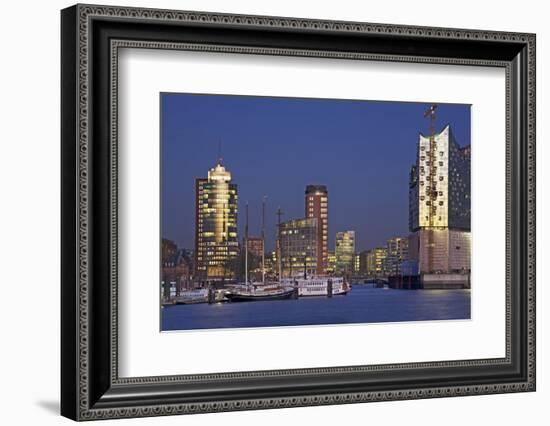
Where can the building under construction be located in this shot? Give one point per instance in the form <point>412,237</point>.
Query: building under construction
<point>439,206</point>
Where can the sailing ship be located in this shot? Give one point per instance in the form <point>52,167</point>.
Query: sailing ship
<point>285,288</point>
<point>252,291</point>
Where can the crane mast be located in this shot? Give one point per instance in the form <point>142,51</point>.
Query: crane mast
<point>431,190</point>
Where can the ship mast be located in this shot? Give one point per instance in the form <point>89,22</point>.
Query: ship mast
<point>263,240</point>
<point>280,261</point>
<point>246,247</point>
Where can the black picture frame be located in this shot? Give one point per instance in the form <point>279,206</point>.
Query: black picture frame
<point>90,386</point>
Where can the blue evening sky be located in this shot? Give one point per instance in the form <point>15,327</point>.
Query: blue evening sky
<point>361,150</point>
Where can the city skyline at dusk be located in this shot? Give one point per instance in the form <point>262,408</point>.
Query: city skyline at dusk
<point>361,151</point>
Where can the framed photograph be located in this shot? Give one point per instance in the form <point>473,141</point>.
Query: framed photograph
<point>263,212</point>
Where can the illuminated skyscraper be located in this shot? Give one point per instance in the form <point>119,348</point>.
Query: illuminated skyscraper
<point>345,252</point>
<point>317,207</point>
<point>439,204</point>
<point>216,241</point>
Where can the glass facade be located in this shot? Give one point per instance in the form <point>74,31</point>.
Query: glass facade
<point>298,245</point>
<point>441,250</point>
<point>439,204</point>
<point>439,184</point>
<point>345,252</point>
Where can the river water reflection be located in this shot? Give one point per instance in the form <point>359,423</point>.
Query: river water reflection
<point>362,305</point>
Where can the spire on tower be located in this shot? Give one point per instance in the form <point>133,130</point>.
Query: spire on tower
<point>220,158</point>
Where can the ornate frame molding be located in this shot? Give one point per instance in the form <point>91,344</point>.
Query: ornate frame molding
<point>82,17</point>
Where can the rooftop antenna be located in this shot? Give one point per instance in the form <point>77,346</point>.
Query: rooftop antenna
<point>220,158</point>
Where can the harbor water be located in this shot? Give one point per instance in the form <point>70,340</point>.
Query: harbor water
<point>362,305</point>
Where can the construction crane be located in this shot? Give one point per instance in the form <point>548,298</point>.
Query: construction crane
<point>431,187</point>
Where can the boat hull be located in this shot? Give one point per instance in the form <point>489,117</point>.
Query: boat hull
<point>339,292</point>
<point>239,297</point>
<point>191,301</point>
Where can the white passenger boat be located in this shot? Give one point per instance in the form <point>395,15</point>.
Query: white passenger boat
<point>318,286</point>
<point>199,295</point>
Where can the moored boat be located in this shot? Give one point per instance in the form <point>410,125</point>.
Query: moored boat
<point>253,292</point>
<point>201,295</point>
<point>189,297</point>
<point>319,286</point>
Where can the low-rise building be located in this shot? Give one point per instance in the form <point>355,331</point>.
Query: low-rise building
<point>376,261</point>
<point>397,252</point>
<point>176,271</point>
